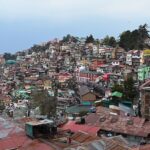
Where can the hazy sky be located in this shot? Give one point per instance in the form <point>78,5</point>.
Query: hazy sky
<point>27,22</point>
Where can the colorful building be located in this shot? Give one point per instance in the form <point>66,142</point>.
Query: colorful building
<point>143,72</point>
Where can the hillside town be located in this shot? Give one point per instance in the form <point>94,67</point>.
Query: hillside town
<point>75,94</point>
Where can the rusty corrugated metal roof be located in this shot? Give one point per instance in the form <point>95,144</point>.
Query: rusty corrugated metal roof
<point>78,127</point>
<point>22,142</point>
<point>121,124</point>
<point>12,136</point>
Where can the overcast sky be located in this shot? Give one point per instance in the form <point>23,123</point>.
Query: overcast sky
<point>27,22</point>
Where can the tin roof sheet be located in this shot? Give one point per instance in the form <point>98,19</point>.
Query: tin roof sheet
<point>78,127</point>
<point>117,123</point>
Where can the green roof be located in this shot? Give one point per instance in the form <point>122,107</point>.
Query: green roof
<point>22,93</point>
<point>10,62</point>
<point>86,103</point>
<point>117,94</point>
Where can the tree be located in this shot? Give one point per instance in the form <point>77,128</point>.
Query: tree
<point>97,41</point>
<point>143,35</point>
<point>134,39</point>
<point>125,40</point>
<point>134,44</point>
<point>74,39</point>
<point>39,48</point>
<point>118,88</point>
<point>72,84</point>
<point>9,56</point>
<point>66,38</point>
<point>110,41</point>
<point>69,38</point>
<point>90,39</point>
<point>129,89</point>
<point>45,102</point>
<point>105,41</point>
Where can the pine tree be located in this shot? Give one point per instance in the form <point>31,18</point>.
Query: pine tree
<point>129,89</point>
<point>90,39</point>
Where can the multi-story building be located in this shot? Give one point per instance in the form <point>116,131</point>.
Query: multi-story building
<point>86,75</point>
<point>146,57</point>
<point>145,100</point>
<point>143,73</point>
<point>2,59</point>
<point>133,58</point>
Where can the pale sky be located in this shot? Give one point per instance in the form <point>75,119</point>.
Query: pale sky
<point>27,22</point>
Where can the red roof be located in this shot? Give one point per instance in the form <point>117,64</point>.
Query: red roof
<point>138,126</point>
<point>106,76</point>
<point>22,142</point>
<point>142,147</point>
<point>13,136</point>
<point>78,127</point>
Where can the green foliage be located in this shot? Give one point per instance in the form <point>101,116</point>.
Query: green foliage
<point>66,38</point>
<point>72,84</point>
<point>134,39</point>
<point>69,38</point>
<point>118,88</point>
<point>90,39</point>
<point>125,40</point>
<point>96,42</point>
<point>129,89</point>
<point>9,56</point>
<point>46,103</point>
<point>109,41</point>
<point>39,48</point>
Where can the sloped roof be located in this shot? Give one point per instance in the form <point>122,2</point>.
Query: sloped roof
<point>142,147</point>
<point>119,123</point>
<point>22,142</point>
<point>12,136</point>
<point>82,137</point>
<point>80,127</point>
<point>83,90</point>
<point>146,84</point>
<point>101,144</point>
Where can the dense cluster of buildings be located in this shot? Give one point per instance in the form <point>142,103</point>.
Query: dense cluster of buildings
<point>89,114</point>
